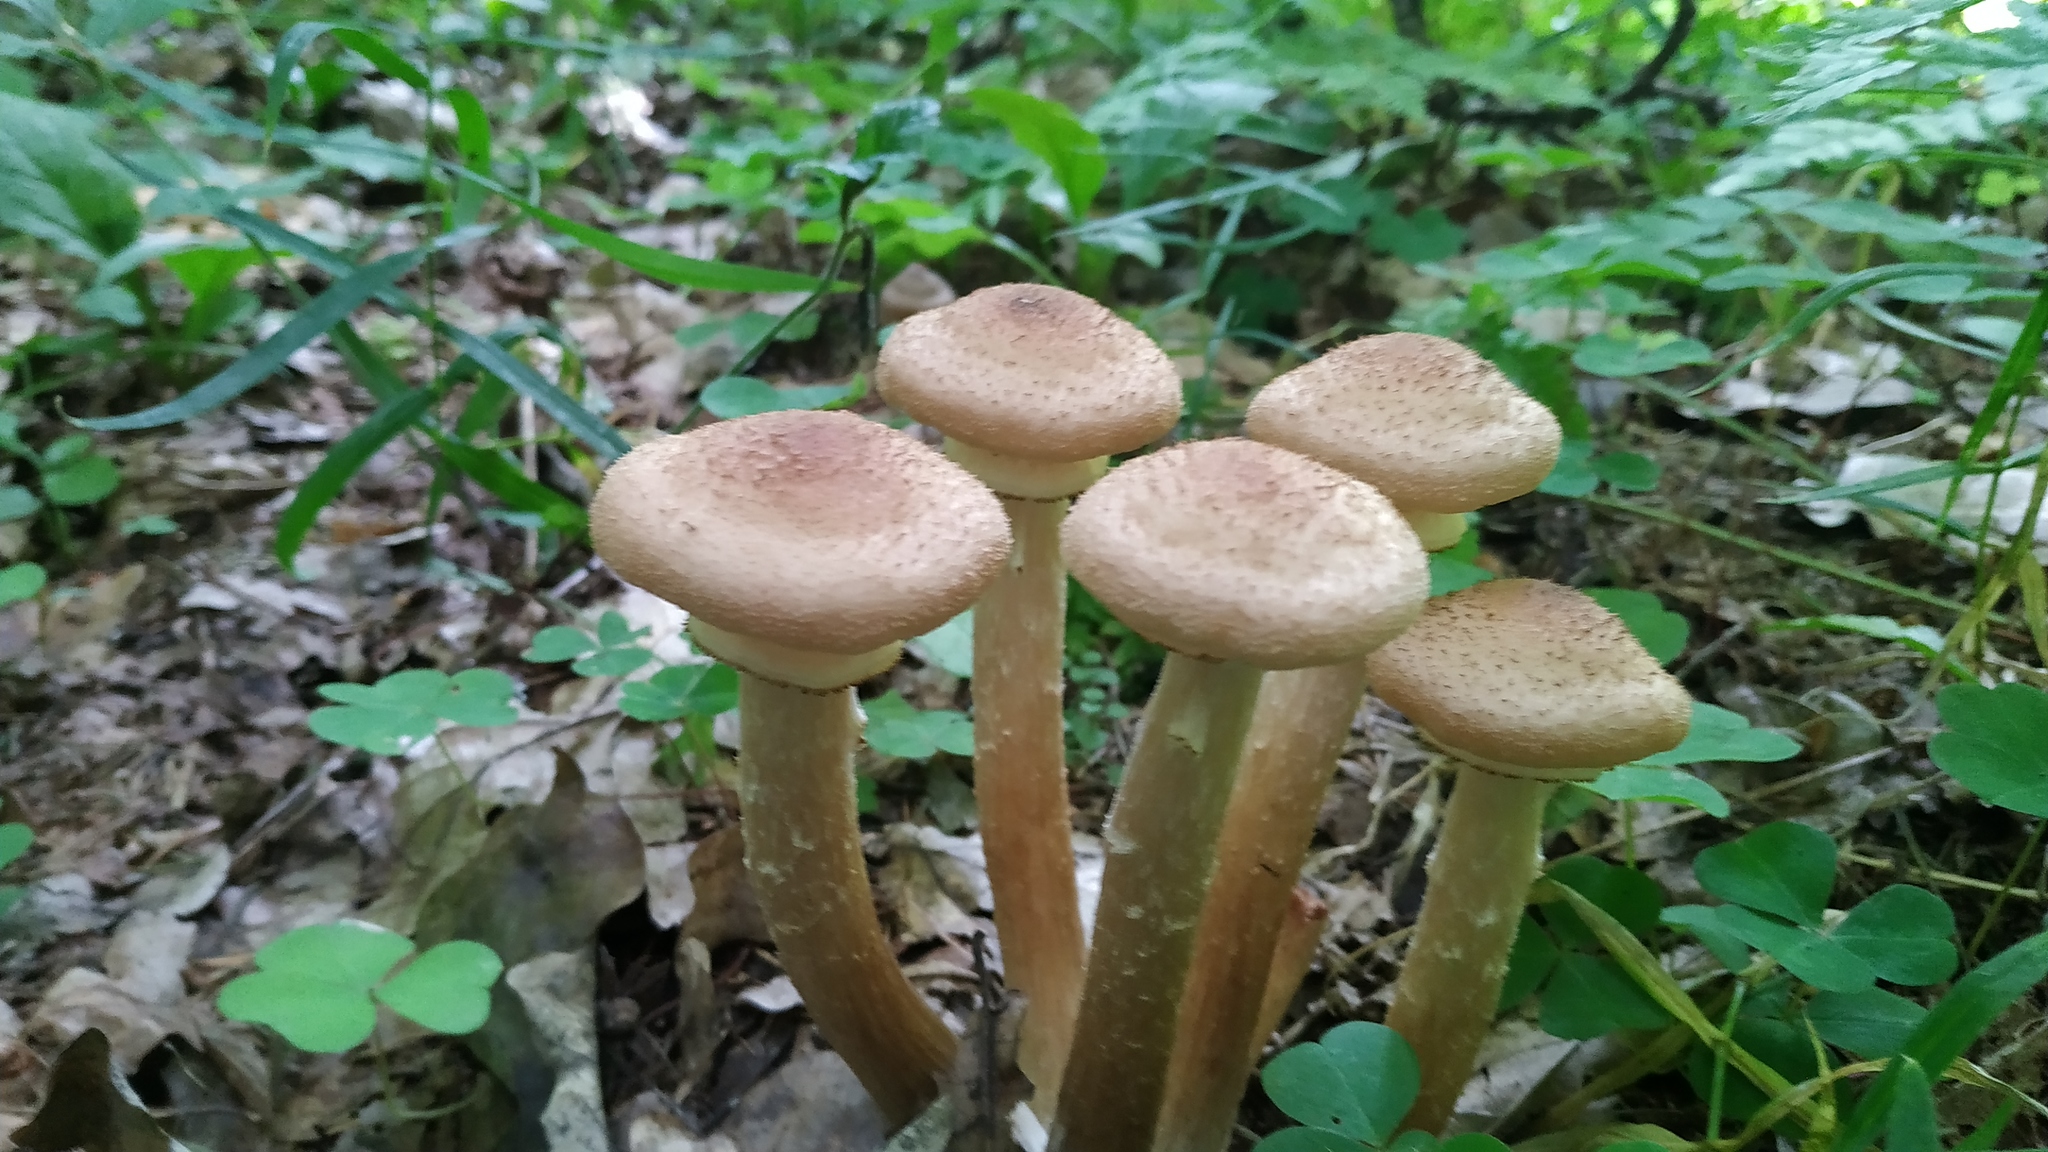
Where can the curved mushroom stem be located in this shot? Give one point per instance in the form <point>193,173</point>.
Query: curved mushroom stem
<point>1298,731</point>
<point>1301,936</point>
<point>1020,787</point>
<point>1162,848</point>
<point>1487,855</point>
<point>804,858</point>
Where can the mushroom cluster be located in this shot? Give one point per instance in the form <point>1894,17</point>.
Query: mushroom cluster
<point>1281,572</point>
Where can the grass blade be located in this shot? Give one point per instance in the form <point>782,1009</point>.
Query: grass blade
<point>340,465</point>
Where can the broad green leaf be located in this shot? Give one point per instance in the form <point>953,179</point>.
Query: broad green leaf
<point>110,302</point>
<point>321,313</point>
<point>343,460</point>
<point>351,954</point>
<point>14,840</point>
<point>314,1014</point>
<point>1663,785</point>
<point>1604,355</point>
<point>17,502</point>
<point>1573,474</point>
<point>1628,471</point>
<point>1530,960</point>
<point>150,525</point>
<point>1883,219</point>
<point>730,397</point>
<point>1912,1125</point>
<point>496,471</point>
<point>1358,1081</point>
<point>1784,868</point>
<point>21,581</point>
<point>950,645</point>
<point>1994,746</point>
<point>62,188</point>
<point>897,729</point>
<point>1765,276</point>
<point>1053,134</point>
<point>1718,734</point>
<point>447,989</point>
<point>1307,1140</point>
<point>682,690</point>
<point>1903,933</point>
<point>210,270</point>
<point>559,643</point>
<point>1700,920</point>
<point>1426,236</point>
<point>1590,996</point>
<point>1872,1023</point>
<point>1632,898</point>
<point>895,128</point>
<point>107,21</point>
<point>382,718</point>
<point>1660,631</point>
<point>1816,959</point>
<point>80,482</point>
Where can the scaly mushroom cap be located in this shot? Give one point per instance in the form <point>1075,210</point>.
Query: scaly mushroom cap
<point>1031,371</point>
<point>1533,679</point>
<point>818,530</point>
<point>1234,550</point>
<point>1425,420</point>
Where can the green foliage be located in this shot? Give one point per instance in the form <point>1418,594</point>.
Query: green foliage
<point>23,581</point>
<point>682,691</point>
<point>319,986</point>
<point>897,729</point>
<point>14,842</point>
<point>387,717</point>
<point>1994,745</point>
<point>1349,1091</point>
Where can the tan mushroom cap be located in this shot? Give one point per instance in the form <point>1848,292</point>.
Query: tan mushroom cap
<point>1532,679</point>
<point>816,530</point>
<point>1033,371</point>
<point>1235,550</point>
<point>1427,421</point>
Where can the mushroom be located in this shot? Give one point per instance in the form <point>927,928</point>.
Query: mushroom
<point>806,547</point>
<point>1529,684</point>
<point>1034,387</point>
<point>1238,557</point>
<point>1439,431</point>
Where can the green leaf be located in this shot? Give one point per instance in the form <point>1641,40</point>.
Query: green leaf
<point>1783,868</point>
<point>897,729</point>
<point>17,502</point>
<point>352,954</point>
<point>895,128</point>
<point>682,271</point>
<point>62,188</point>
<point>559,643</point>
<point>1357,1082</point>
<point>321,313</point>
<point>447,989</point>
<point>382,718</point>
<point>1883,219</point>
<point>496,471</point>
<point>1663,785</point>
<point>1628,471</point>
<point>1804,953</point>
<point>1661,632</point>
<point>14,840</point>
<point>1718,734</point>
<point>950,645</point>
<point>1573,474</point>
<point>1452,570</point>
<point>1926,641</point>
<point>1872,1023</point>
<point>1632,898</point>
<point>1604,355</point>
<point>150,525</point>
<point>1307,1140</point>
<point>87,480</point>
<point>1994,746</point>
<point>730,397</point>
<point>314,1014</point>
<point>110,302</point>
<point>1912,1125</point>
<point>21,581</point>
<point>1903,933</point>
<point>1980,997</point>
<point>1701,921</point>
<point>1419,239</point>
<point>1530,960</point>
<point>682,690</point>
<point>367,44</point>
<point>109,20</point>
<point>1590,996</point>
<point>1050,132</point>
<point>1765,276</point>
<point>210,270</point>
<point>343,460</point>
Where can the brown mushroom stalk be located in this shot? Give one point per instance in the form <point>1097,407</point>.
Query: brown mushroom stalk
<point>1035,388</point>
<point>1440,432</point>
<point>807,546</point>
<point>1238,558</point>
<point>1301,936</point>
<point>1529,684</point>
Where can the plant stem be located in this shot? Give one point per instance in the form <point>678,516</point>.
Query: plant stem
<point>1020,787</point>
<point>1161,839</point>
<point>2004,890</point>
<point>804,858</point>
<point>1479,878</point>
<point>1298,731</point>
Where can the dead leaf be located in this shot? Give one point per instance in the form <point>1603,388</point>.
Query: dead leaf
<point>89,1108</point>
<point>726,909</point>
<point>558,990</point>
<point>813,1102</point>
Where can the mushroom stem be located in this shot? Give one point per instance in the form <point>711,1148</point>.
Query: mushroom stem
<point>1020,787</point>
<point>1161,839</point>
<point>1487,855</point>
<point>1301,936</point>
<point>804,858</point>
<point>1298,731</point>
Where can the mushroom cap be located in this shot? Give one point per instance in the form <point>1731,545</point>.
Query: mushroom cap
<point>1031,371</point>
<point>817,530</point>
<point>1235,550</point>
<point>1427,421</point>
<point>1532,675</point>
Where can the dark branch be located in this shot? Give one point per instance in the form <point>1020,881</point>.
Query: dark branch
<point>1411,22</point>
<point>1645,81</point>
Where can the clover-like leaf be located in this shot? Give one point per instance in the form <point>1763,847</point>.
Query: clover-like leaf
<point>1628,471</point>
<point>950,645</point>
<point>1994,746</point>
<point>1591,996</point>
<point>1573,474</point>
<point>1357,1082</point>
<point>1814,958</point>
<point>17,502</point>
<point>559,643</point>
<point>1530,961</point>
<point>21,581</point>
<point>382,718</point>
<point>447,989</point>
<point>897,729</point>
<point>1630,896</point>
<point>1604,355</point>
<point>87,479</point>
<point>1701,921</point>
<point>313,984</point>
<point>14,840</point>
<point>681,690</point>
<point>1660,631</point>
<point>1663,785</point>
<point>1873,1023</point>
<point>1785,868</point>
<point>1718,734</point>
<point>1903,933</point>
